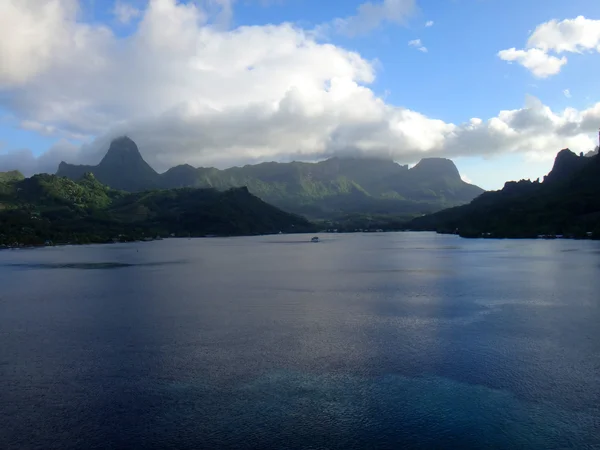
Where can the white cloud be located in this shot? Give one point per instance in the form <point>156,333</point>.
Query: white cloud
<point>371,15</point>
<point>32,34</point>
<point>418,45</point>
<point>49,130</point>
<point>568,36</point>
<point>25,161</point>
<point>221,11</point>
<point>190,92</point>
<point>567,93</point>
<point>125,12</point>
<point>537,61</point>
<point>429,23</point>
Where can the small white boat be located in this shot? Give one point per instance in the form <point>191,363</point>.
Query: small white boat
<point>315,239</point>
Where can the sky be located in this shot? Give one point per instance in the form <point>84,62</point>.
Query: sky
<point>498,86</point>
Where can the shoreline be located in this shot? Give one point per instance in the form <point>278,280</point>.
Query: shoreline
<point>132,241</point>
<point>482,236</point>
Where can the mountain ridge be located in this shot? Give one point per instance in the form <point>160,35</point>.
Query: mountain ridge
<point>322,190</point>
<point>566,202</point>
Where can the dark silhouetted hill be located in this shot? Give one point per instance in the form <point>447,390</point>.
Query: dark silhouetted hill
<point>567,202</point>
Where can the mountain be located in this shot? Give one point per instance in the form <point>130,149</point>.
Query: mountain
<point>7,181</point>
<point>567,202</point>
<point>13,175</point>
<point>328,189</point>
<point>340,186</point>
<point>48,207</point>
<point>121,168</point>
<point>566,164</point>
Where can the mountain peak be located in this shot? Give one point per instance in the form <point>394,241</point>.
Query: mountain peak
<point>123,143</point>
<point>62,167</point>
<point>121,168</point>
<point>566,164</point>
<point>437,167</point>
<point>122,150</point>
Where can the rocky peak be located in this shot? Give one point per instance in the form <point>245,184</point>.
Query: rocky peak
<point>436,167</point>
<point>122,151</point>
<point>566,164</point>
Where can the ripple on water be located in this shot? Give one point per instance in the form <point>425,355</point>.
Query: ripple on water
<point>89,265</point>
<point>350,412</point>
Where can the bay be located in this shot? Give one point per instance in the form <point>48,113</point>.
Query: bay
<point>391,340</point>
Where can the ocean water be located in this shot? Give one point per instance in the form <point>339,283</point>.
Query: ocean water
<point>379,341</point>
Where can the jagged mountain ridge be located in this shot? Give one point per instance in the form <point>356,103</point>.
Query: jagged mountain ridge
<point>566,202</point>
<point>326,189</point>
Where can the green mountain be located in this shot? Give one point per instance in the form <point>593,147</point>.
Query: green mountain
<point>47,207</point>
<point>330,189</point>
<point>13,175</point>
<point>567,202</point>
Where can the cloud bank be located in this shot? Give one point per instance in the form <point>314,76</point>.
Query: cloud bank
<point>188,91</point>
<point>577,35</point>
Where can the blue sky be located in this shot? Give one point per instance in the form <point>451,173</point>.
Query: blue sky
<point>460,76</point>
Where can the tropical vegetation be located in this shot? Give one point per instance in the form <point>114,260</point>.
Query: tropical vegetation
<point>333,190</point>
<point>51,209</point>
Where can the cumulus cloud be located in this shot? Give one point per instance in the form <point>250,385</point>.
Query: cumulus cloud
<point>125,12</point>
<point>371,15</point>
<point>537,61</point>
<point>222,11</point>
<point>429,23</point>
<point>567,93</point>
<point>32,34</point>
<point>188,91</point>
<point>568,36</point>
<point>416,43</point>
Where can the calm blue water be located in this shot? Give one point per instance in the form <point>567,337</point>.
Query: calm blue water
<point>361,341</point>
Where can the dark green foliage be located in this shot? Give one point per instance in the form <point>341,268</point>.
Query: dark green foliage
<point>13,175</point>
<point>566,203</point>
<point>51,208</point>
<point>7,180</point>
<point>325,190</point>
